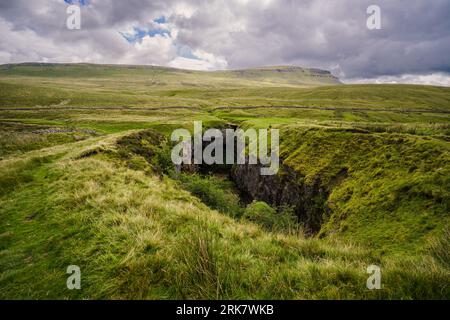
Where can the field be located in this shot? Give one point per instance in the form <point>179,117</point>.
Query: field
<point>86,179</point>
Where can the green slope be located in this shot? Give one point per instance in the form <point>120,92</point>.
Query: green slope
<point>137,235</point>
<point>282,76</point>
<point>71,194</point>
<point>31,85</point>
<point>388,191</point>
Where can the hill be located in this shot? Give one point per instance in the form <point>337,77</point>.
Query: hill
<point>86,179</point>
<point>269,76</point>
<point>84,85</point>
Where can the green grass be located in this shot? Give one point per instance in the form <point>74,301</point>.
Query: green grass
<point>16,137</point>
<point>389,191</point>
<point>137,236</point>
<point>167,76</point>
<point>217,194</point>
<point>95,85</point>
<point>103,195</point>
<point>281,220</point>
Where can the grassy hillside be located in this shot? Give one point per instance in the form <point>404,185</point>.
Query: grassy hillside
<point>389,191</point>
<point>153,75</point>
<point>137,235</point>
<point>85,179</point>
<point>137,86</point>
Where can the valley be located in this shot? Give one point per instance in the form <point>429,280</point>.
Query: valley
<point>86,179</point>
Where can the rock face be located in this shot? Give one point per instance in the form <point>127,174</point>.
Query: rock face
<point>285,188</point>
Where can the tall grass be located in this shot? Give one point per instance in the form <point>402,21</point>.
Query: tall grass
<point>215,193</point>
<point>135,235</point>
<point>439,247</point>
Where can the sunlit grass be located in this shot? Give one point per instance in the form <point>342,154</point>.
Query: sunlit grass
<point>101,195</point>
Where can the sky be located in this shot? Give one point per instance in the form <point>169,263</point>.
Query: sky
<point>412,46</point>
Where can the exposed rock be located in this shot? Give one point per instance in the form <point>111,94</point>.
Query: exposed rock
<point>285,188</point>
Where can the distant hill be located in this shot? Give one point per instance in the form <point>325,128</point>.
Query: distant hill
<point>264,76</point>
<point>41,84</point>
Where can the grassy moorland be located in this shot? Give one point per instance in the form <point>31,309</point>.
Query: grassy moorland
<point>86,179</point>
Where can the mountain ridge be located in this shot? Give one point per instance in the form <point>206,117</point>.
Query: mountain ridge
<point>279,75</point>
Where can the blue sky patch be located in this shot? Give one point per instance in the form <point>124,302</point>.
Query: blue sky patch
<point>160,20</point>
<point>186,52</point>
<point>139,33</point>
<point>81,2</point>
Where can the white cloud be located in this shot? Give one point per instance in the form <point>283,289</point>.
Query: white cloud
<point>434,79</point>
<point>191,64</point>
<point>162,50</point>
<point>150,50</point>
<point>27,45</point>
<point>212,63</point>
<point>216,62</point>
<point>183,9</point>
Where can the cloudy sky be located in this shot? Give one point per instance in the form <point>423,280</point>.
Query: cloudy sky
<point>413,45</point>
